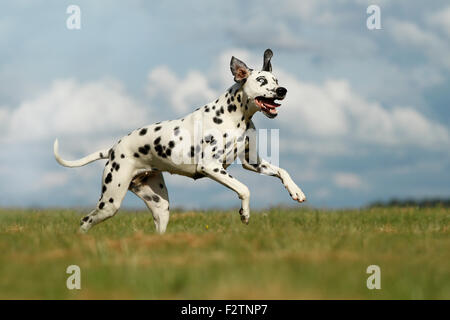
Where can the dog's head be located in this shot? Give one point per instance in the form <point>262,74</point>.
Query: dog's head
<point>260,87</point>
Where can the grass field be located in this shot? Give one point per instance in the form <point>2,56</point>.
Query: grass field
<point>281,254</point>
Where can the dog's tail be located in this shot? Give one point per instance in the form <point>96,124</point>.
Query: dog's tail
<point>101,154</point>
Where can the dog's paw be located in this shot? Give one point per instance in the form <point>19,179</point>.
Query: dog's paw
<point>296,193</point>
<point>245,216</point>
<point>85,224</point>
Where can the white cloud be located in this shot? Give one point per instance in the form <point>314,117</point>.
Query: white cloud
<point>318,12</point>
<point>333,111</point>
<point>253,32</point>
<point>410,34</point>
<point>440,20</point>
<point>182,95</point>
<point>69,108</point>
<point>349,181</point>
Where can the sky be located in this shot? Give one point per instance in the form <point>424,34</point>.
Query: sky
<point>366,116</point>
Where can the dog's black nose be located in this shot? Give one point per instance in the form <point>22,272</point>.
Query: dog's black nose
<point>281,91</point>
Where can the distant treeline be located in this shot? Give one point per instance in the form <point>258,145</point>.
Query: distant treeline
<point>425,203</point>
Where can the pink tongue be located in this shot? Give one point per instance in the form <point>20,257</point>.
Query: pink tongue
<point>271,105</point>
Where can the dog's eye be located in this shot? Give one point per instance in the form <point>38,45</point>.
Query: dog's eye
<point>262,80</point>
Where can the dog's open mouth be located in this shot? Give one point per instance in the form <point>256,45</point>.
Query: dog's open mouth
<point>268,106</point>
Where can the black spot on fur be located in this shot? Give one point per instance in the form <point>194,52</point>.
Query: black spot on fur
<point>111,200</point>
<point>145,149</point>
<point>216,170</point>
<point>217,120</point>
<point>143,131</point>
<point>101,205</point>
<point>176,130</point>
<point>155,198</point>
<point>108,178</point>
<point>136,155</point>
<point>157,141</point>
<point>231,108</point>
<point>148,198</point>
<point>103,189</point>
<point>171,144</point>
<point>157,128</point>
<point>158,148</point>
<point>161,186</point>
<point>208,138</point>
<point>86,218</point>
<point>122,156</point>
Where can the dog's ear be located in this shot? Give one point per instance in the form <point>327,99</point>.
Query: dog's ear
<point>267,66</point>
<point>239,70</point>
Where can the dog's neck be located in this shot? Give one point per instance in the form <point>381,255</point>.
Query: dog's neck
<point>237,103</point>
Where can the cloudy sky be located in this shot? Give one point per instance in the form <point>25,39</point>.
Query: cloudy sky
<point>366,117</point>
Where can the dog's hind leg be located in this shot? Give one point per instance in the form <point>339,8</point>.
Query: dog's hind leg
<point>115,182</point>
<point>150,187</point>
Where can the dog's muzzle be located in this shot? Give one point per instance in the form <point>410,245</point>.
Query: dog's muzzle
<point>268,105</point>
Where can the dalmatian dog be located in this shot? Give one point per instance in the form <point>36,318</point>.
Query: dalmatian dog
<point>202,144</point>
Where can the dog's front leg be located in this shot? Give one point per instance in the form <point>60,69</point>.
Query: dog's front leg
<point>264,167</point>
<point>217,173</point>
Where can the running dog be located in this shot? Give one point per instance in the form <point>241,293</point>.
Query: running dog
<point>202,144</point>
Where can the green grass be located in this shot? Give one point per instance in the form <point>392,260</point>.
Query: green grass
<point>281,254</point>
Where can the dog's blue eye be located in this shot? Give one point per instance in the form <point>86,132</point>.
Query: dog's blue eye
<point>262,80</point>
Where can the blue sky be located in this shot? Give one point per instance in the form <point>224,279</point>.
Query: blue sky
<point>366,117</point>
